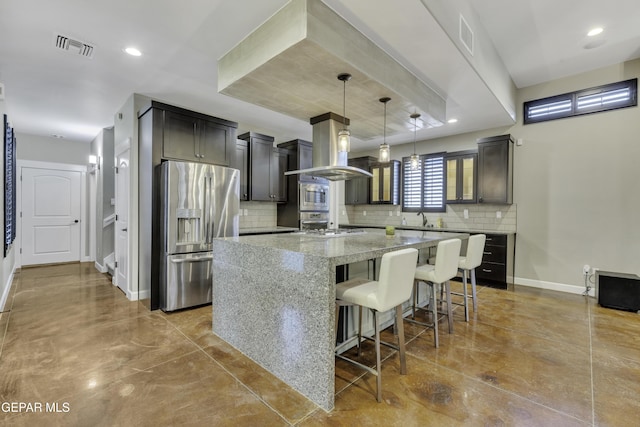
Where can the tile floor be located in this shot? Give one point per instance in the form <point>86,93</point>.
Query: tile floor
<point>70,340</point>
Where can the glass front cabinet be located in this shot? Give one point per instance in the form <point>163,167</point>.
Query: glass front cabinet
<point>461,172</point>
<point>385,184</point>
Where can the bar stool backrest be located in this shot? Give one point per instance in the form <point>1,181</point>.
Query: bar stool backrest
<point>395,282</point>
<point>447,257</point>
<point>475,250</point>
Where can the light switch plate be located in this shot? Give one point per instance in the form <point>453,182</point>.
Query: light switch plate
<point>364,213</point>
<point>498,214</point>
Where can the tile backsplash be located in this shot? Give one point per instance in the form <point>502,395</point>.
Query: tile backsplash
<point>258,214</point>
<point>479,216</point>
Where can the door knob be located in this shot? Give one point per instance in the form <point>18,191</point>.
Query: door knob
<point>76,221</point>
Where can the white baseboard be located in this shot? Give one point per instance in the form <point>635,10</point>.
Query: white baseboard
<point>7,289</point>
<point>136,296</point>
<point>100,268</point>
<point>560,287</point>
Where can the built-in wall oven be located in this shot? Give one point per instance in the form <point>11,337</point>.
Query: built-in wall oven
<point>314,197</point>
<point>313,220</point>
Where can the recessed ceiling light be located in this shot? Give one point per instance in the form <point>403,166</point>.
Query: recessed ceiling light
<point>133,51</point>
<point>452,121</point>
<point>595,31</point>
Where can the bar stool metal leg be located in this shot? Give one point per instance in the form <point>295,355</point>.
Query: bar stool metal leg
<point>376,324</point>
<point>447,286</point>
<point>434,311</point>
<point>464,296</point>
<point>401,349</point>
<point>473,290</point>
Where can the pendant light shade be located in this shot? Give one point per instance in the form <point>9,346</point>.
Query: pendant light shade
<point>384,147</point>
<point>344,136</point>
<point>414,162</point>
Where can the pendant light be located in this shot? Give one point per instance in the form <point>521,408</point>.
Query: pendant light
<point>344,136</point>
<point>415,159</point>
<point>384,147</point>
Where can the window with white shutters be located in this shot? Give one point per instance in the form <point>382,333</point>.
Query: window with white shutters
<point>593,100</point>
<point>423,189</point>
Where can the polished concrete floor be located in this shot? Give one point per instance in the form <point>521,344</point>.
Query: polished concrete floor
<point>72,341</point>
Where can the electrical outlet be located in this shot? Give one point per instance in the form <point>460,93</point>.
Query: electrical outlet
<point>364,213</point>
<point>498,214</point>
<point>465,213</point>
<point>586,269</point>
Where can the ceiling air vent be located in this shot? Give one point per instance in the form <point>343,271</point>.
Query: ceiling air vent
<point>73,46</point>
<point>466,35</point>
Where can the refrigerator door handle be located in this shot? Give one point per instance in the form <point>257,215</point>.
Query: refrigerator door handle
<point>208,217</point>
<point>191,259</point>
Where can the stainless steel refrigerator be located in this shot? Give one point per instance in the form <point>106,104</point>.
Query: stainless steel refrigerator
<point>199,202</point>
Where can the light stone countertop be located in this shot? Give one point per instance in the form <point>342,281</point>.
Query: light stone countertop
<point>266,230</point>
<point>420,228</point>
<point>349,247</point>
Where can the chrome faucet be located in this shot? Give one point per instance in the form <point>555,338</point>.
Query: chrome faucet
<point>424,219</point>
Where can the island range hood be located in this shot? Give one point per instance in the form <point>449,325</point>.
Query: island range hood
<point>328,162</point>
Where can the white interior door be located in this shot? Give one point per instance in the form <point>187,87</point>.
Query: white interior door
<point>122,220</point>
<point>50,216</point>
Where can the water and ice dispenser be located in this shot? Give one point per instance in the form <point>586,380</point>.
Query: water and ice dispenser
<point>189,227</point>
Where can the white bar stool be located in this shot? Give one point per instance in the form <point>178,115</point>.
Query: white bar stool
<point>445,268</point>
<point>467,264</point>
<point>392,288</point>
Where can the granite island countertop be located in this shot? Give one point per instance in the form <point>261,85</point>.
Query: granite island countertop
<point>348,248</point>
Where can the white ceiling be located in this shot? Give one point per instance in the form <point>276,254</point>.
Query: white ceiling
<point>53,92</point>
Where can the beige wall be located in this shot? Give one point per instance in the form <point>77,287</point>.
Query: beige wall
<point>52,150</point>
<point>126,127</point>
<point>574,185</point>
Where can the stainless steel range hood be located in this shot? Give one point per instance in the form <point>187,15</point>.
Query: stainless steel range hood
<point>328,162</point>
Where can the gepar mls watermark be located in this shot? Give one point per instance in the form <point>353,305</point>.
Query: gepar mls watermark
<point>51,407</point>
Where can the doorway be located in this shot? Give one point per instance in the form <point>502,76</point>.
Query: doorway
<point>51,214</point>
<point>122,161</point>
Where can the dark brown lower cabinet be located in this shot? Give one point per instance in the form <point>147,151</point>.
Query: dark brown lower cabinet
<point>497,265</point>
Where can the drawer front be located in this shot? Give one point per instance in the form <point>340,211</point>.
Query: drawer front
<point>491,271</point>
<point>497,254</point>
<point>496,240</point>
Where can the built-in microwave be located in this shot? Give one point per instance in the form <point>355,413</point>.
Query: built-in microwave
<point>314,197</point>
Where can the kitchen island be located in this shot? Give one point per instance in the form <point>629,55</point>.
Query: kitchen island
<point>274,298</point>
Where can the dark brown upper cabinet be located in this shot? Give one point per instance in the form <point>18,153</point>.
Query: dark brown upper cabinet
<point>385,184</point>
<point>461,177</point>
<point>495,169</point>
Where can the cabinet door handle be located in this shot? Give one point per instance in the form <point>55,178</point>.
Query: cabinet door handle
<point>487,253</point>
<point>487,271</point>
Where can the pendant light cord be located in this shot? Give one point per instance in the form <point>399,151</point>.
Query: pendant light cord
<point>384,131</point>
<point>344,103</point>
<point>415,116</point>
